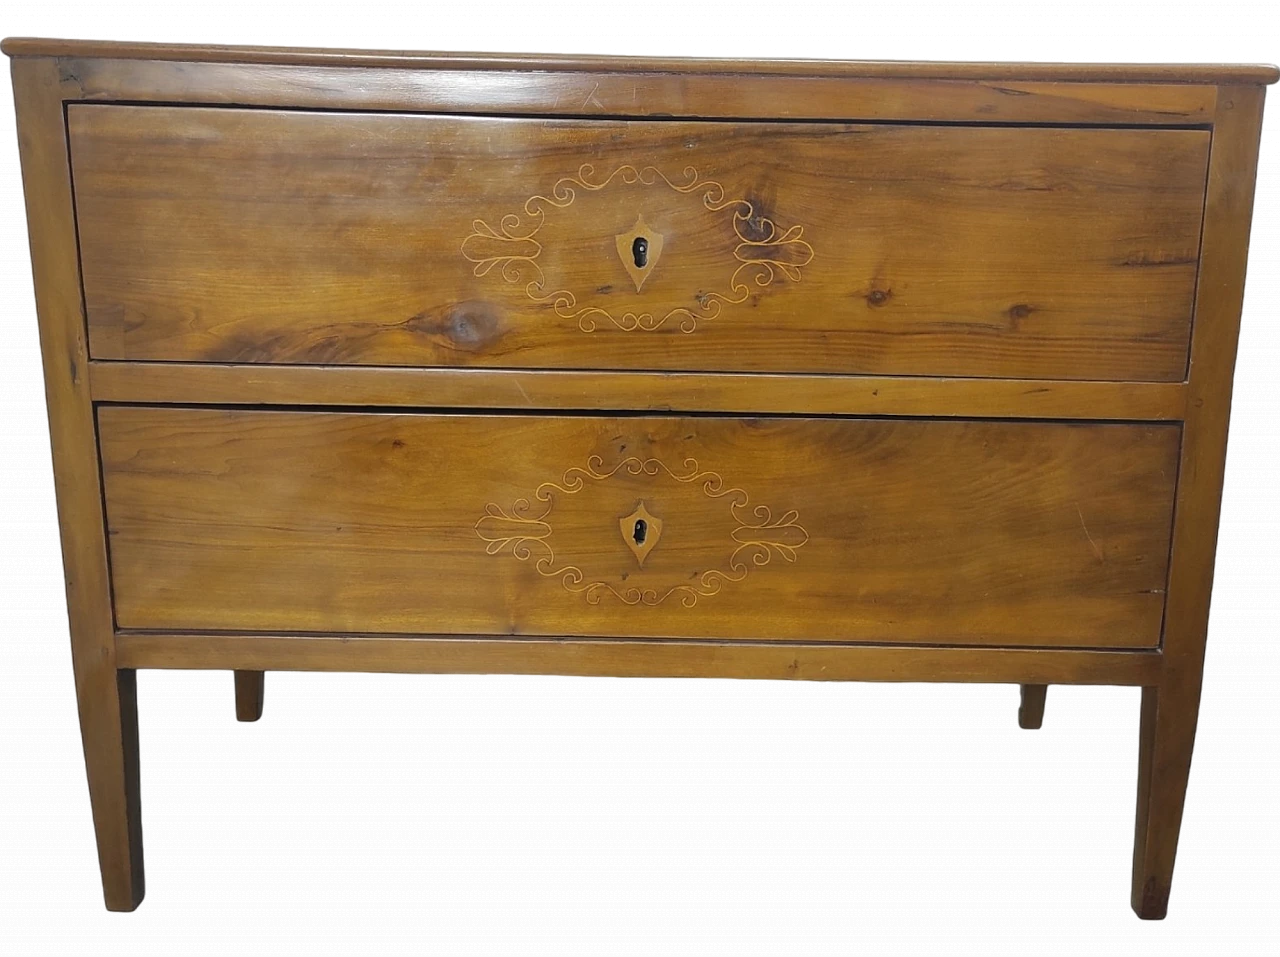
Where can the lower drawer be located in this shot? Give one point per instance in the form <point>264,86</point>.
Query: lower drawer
<point>886,530</point>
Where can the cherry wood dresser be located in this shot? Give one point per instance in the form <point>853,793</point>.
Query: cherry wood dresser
<point>458,363</point>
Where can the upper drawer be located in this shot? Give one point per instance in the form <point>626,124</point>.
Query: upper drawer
<point>227,235</point>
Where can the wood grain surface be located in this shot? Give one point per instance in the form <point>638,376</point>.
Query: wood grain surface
<point>261,236</point>
<point>106,694</point>
<point>1171,707</point>
<point>1173,100</point>
<point>192,53</point>
<point>636,658</point>
<point>188,383</point>
<point>972,532</point>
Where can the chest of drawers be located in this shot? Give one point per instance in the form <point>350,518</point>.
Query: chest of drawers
<point>836,371</point>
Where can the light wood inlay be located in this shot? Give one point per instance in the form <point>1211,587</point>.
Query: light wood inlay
<point>524,532</point>
<point>761,251</point>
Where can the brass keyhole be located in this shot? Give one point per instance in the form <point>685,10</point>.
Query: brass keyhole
<point>641,529</point>
<point>640,252</point>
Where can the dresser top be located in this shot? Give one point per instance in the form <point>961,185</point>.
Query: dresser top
<point>892,69</point>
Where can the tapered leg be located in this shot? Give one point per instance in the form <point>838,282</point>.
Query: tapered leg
<point>1031,711</point>
<point>249,688</point>
<point>109,730</point>
<point>1170,708</point>
<point>1164,763</point>
<point>105,697</point>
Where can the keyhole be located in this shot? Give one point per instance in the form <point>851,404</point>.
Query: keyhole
<point>642,528</point>
<point>640,252</point>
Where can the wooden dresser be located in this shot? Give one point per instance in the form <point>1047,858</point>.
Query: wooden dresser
<point>457,363</point>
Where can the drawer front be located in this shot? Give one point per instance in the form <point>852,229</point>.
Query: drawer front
<point>226,235</point>
<point>941,531</point>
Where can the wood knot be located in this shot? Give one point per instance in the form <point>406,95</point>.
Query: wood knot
<point>878,297</point>
<point>757,225</point>
<point>464,326</point>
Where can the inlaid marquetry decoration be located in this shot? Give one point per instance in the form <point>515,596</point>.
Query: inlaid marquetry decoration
<point>754,537</point>
<point>759,254</point>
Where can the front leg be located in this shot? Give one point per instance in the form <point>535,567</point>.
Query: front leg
<point>1168,730</point>
<point>108,707</point>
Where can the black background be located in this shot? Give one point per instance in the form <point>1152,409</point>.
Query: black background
<point>553,804</point>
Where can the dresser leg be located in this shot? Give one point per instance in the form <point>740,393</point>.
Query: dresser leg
<point>249,688</point>
<point>1164,763</point>
<point>1031,710</point>
<point>108,703</point>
